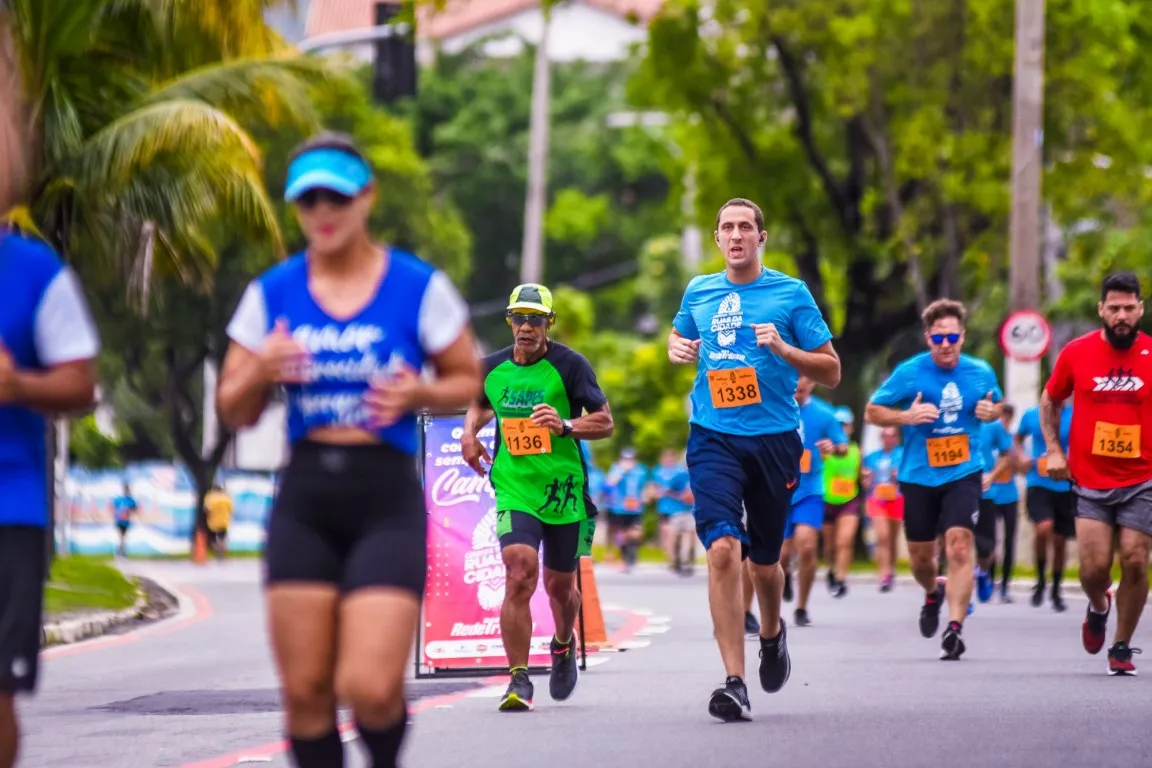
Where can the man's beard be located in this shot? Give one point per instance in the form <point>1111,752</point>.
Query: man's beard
<point>1121,341</point>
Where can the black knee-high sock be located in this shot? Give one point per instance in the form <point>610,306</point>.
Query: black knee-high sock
<point>992,571</point>
<point>326,751</point>
<point>1057,577</point>
<point>1009,546</point>
<point>1041,568</point>
<point>384,746</point>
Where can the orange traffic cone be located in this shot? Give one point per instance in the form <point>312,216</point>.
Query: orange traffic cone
<point>592,627</point>
<point>200,548</point>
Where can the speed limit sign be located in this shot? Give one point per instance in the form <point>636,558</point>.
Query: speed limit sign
<point>1025,336</point>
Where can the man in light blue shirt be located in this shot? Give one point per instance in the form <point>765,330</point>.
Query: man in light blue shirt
<point>940,398</point>
<point>750,332</point>
<point>998,503</point>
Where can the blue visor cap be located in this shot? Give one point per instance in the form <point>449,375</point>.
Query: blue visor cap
<point>331,169</point>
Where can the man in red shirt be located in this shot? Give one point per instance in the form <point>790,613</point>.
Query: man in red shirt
<point>1109,373</point>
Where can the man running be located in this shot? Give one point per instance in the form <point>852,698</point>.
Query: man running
<point>998,503</point>
<point>538,389</point>
<point>668,485</point>
<point>751,331</point>
<point>821,436</point>
<point>624,487</point>
<point>48,346</point>
<point>1050,503</point>
<point>1109,461</point>
<point>841,507</point>
<point>885,502</point>
<point>940,397</point>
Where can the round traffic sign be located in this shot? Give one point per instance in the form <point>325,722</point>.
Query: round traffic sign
<point>1025,336</point>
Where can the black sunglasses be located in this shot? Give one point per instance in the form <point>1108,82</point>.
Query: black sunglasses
<point>939,338</point>
<point>314,197</point>
<point>534,321</point>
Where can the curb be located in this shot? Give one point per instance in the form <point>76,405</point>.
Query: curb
<point>94,625</point>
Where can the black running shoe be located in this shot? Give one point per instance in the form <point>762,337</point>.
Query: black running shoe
<point>831,579</point>
<point>930,612</point>
<point>840,590</point>
<point>1120,660</point>
<point>518,697</point>
<point>1058,603</point>
<point>751,625</point>
<point>1038,595</point>
<point>952,646</point>
<point>801,617</point>
<point>730,702</point>
<point>787,586</point>
<point>565,670</point>
<point>775,663</point>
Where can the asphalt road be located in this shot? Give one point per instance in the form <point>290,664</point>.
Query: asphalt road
<point>866,690</point>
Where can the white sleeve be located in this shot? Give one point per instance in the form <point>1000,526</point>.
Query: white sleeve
<point>64,329</point>
<point>443,315</point>
<point>249,325</point>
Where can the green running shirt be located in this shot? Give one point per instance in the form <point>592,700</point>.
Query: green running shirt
<point>534,471</point>
<point>842,476</point>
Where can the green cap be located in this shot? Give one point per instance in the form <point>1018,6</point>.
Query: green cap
<point>532,297</point>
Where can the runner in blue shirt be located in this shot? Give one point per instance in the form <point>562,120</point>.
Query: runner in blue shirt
<point>48,346</point>
<point>750,331</point>
<point>1050,503</point>
<point>940,397</point>
<point>123,510</point>
<point>624,487</point>
<point>668,486</point>
<point>821,434</point>
<point>998,503</point>
<point>885,502</point>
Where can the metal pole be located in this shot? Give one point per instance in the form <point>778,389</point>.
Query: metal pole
<point>532,251</point>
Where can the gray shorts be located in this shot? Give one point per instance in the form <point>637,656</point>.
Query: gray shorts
<point>1129,507</point>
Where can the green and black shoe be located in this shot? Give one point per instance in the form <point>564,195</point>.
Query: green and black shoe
<point>518,697</point>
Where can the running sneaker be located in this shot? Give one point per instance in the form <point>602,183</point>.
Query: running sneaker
<point>831,580</point>
<point>952,646</point>
<point>1095,627</point>
<point>787,586</point>
<point>840,590</point>
<point>518,697</point>
<point>1120,660</point>
<point>984,585</point>
<point>565,671</point>
<point>930,612</point>
<point>1038,594</point>
<point>801,617</point>
<point>751,625</point>
<point>775,663</point>
<point>887,582</point>
<point>1006,598</point>
<point>1058,603</point>
<point>730,702</point>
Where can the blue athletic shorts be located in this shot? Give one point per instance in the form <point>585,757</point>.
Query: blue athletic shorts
<point>731,473</point>
<point>807,511</point>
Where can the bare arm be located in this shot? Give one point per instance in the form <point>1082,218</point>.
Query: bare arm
<point>1004,462</point>
<point>883,416</point>
<point>60,389</point>
<point>476,419</point>
<point>243,391</point>
<point>597,425</point>
<point>458,378</point>
<point>822,364</point>
<point>1050,423</point>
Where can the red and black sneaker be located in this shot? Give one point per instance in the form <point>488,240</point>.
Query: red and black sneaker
<point>1120,660</point>
<point>1094,628</point>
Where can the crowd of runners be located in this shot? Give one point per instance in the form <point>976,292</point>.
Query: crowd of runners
<point>362,336</point>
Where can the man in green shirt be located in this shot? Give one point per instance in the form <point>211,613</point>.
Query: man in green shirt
<point>841,508</point>
<point>545,399</point>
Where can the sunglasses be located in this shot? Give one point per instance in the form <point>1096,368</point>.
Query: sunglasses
<point>940,338</point>
<point>534,321</point>
<point>314,197</point>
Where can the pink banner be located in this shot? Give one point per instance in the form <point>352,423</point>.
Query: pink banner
<point>465,572</point>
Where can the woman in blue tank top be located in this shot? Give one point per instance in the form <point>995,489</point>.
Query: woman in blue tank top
<point>345,328</point>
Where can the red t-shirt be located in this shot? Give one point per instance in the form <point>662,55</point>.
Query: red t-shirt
<point>1110,444</point>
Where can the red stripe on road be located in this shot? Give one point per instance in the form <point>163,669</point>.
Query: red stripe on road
<point>201,611</point>
<point>633,624</point>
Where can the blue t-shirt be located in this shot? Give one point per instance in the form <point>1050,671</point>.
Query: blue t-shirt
<point>994,443</point>
<point>1030,428</point>
<point>884,465</point>
<point>625,489</point>
<point>671,481</point>
<point>956,432</point>
<point>44,322</point>
<point>122,506</point>
<point>817,422</point>
<point>415,313</point>
<point>721,314</point>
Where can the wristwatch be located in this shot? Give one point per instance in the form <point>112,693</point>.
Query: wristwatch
<point>566,428</point>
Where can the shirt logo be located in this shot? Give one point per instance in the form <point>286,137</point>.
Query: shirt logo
<point>520,398</point>
<point>951,403</point>
<point>1118,380</point>
<point>727,319</point>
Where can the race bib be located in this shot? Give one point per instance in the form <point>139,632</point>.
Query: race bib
<point>806,462</point>
<point>524,438</point>
<point>1042,466</point>
<point>842,486</point>
<point>948,451</point>
<point>1003,475</point>
<point>1117,441</point>
<point>885,492</point>
<point>631,504</point>
<point>733,387</point>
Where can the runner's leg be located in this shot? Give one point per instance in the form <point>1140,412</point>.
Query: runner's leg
<point>561,546</point>
<point>883,526</point>
<point>1132,593</point>
<point>1094,542</point>
<point>521,564</point>
<point>1010,514</point>
<point>847,524</point>
<point>23,571</point>
<point>9,731</point>
<point>804,539</point>
<point>960,543</point>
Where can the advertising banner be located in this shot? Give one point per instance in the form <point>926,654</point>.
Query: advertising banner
<point>461,627</point>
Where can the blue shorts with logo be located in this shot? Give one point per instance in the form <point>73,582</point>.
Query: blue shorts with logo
<point>733,473</point>
<point>807,511</point>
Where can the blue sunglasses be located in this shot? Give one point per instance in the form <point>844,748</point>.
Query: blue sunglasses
<point>940,338</point>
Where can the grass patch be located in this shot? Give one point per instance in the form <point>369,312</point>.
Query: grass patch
<point>79,583</point>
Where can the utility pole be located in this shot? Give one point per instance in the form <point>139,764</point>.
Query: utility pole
<point>532,251</point>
